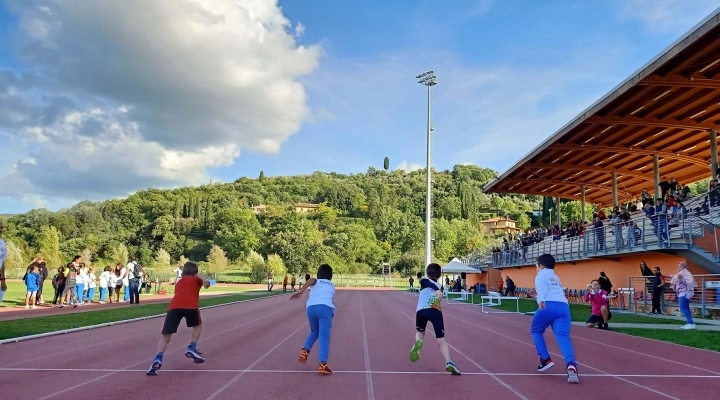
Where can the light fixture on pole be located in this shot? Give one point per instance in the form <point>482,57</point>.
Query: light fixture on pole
<point>428,79</point>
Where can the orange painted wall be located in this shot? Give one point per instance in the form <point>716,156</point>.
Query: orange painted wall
<point>707,242</point>
<point>577,276</point>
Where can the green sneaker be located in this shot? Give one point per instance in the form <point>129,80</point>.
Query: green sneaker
<point>415,352</point>
<point>452,368</point>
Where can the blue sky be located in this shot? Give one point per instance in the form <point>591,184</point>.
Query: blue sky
<point>510,73</point>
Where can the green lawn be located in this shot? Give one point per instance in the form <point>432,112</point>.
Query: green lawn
<point>32,326</point>
<point>708,340</point>
<point>15,295</point>
<point>581,312</point>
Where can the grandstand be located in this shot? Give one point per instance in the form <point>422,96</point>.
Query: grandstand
<point>655,132</point>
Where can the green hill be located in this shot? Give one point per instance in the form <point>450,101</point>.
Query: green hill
<point>362,219</point>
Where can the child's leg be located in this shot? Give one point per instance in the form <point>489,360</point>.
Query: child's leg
<point>605,313</point>
<point>444,349</point>
<point>324,327</point>
<point>541,320</point>
<point>33,296</point>
<point>27,299</point>
<point>314,321</point>
<point>163,344</point>
<point>561,328</point>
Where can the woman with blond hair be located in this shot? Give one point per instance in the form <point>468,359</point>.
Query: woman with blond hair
<point>684,284</point>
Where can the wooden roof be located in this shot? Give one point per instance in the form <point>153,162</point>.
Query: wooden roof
<point>666,108</point>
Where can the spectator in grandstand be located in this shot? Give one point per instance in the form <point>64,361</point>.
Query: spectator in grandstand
<point>665,185</point>
<point>617,224</point>
<point>599,231</point>
<point>658,285</point>
<point>684,284</point>
<point>661,214</point>
<point>605,283</point>
<point>645,198</point>
<point>599,306</point>
<point>683,193</point>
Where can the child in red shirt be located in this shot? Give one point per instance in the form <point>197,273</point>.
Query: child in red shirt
<point>185,304</point>
<point>598,300</point>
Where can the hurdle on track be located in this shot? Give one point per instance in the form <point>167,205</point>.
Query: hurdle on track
<point>493,299</point>
<point>463,297</point>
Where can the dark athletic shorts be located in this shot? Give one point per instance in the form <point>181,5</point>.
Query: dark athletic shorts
<point>174,316</point>
<point>433,316</point>
<point>598,319</point>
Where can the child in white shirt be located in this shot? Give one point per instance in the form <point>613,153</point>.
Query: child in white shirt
<point>112,284</point>
<point>91,284</point>
<point>320,308</point>
<point>104,280</point>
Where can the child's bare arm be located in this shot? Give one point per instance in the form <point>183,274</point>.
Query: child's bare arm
<point>206,282</point>
<point>307,284</point>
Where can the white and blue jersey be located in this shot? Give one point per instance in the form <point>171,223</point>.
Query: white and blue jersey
<point>427,297</point>
<point>549,287</point>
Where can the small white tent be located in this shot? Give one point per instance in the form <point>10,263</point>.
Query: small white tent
<point>456,267</point>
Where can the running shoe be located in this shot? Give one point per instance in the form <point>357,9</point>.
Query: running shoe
<point>545,365</point>
<point>195,355</point>
<point>572,374</point>
<point>415,352</point>
<point>323,369</point>
<point>303,356</point>
<point>452,368</point>
<point>156,365</point>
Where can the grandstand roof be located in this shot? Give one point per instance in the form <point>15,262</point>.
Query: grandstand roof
<point>666,108</point>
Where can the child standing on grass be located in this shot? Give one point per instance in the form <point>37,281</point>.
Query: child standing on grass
<point>69,292</point>
<point>185,304</point>
<point>32,281</point>
<point>429,310</point>
<point>553,310</point>
<point>92,282</point>
<point>320,309</point>
<point>104,281</point>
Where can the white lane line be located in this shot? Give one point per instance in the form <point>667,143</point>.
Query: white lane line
<point>368,375</point>
<point>262,357</point>
<point>500,381</point>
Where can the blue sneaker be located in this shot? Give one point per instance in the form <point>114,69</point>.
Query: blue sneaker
<point>156,365</point>
<point>452,368</point>
<point>195,355</point>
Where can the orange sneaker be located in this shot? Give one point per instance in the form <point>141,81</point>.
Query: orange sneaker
<point>303,356</point>
<point>323,369</point>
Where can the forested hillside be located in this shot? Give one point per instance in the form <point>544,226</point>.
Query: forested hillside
<point>362,220</point>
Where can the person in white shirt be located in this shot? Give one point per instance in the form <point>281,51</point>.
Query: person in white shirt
<point>112,286</point>
<point>91,284</point>
<point>553,310</point>
<point>104,282</point>
<point>81,284</point>
<point>320,308</point>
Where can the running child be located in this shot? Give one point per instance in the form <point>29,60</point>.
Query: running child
<point>185,304</point>
<point>429,310</point>
<point>553,310</point>
<point>598,299</point>
<point>320,309</point>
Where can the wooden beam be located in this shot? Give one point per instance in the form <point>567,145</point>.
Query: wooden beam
<point>586,168</point>
<point>652,122</point>
<point>631,150</point>
<point>679,80</point>
<point>563,183</point>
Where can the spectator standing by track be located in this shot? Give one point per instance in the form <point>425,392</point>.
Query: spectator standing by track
<point>134,273</point>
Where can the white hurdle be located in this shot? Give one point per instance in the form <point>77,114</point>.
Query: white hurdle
<point>463,297</point>
<point>495,299</point>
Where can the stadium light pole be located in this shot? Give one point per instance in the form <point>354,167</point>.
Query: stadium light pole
<point>428,79</point>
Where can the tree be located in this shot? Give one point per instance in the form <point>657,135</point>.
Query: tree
<point>217,261</point>
<point>162,260</point>
<point>276,265</point>
<point>120,254</point>
<point>523,222</point>
<point>238,231</point>
<point>87,257</point>
<point>262,176</point>
<point>49,246</point>
<point>386,163</point>
<point>15,257</point>
<point>256,264</point>
<point>182,260</point>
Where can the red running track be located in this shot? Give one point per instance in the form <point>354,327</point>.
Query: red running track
<point>251,350</point>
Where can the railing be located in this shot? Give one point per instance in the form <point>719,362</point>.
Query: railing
<point>706,298</point>
<point>609,239</point>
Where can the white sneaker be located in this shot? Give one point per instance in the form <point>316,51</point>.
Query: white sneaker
<point>688,326</point>
<point>102,302</point>
<point>27,307</point>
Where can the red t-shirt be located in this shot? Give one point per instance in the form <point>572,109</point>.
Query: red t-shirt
<point>187,293</point>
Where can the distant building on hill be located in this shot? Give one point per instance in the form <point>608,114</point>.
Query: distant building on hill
<point>306,208</point>
<point>500,224</point>
<point>261,209</point>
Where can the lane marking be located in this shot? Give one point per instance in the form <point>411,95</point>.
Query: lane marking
<point>79,385</point>
<point>500,381</point>
<point>368,375</point>
<point>374,372</point>
<point>262,357</point>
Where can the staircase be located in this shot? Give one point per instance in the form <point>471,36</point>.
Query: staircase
<point>700,244</point>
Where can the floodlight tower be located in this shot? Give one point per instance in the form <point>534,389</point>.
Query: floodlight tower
<point>428,79</point>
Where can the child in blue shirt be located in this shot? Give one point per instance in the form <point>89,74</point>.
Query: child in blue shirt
<point>553,310</point>
<point>429,310</point>
<point>32,282</point>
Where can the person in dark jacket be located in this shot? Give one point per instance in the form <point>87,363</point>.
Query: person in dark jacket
<point>657,292</point>
<point>605,283</point>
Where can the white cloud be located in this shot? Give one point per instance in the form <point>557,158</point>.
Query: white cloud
<point>153,96</point>
<point>408,167</point>
<point>667,15</point>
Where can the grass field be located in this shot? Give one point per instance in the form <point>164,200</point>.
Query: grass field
<point>15,295</point>
<point>709,340</point>
<point>32,326</point>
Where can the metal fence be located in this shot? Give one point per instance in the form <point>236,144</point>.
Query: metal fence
<point>638,295</point>
<point>637,235</point>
